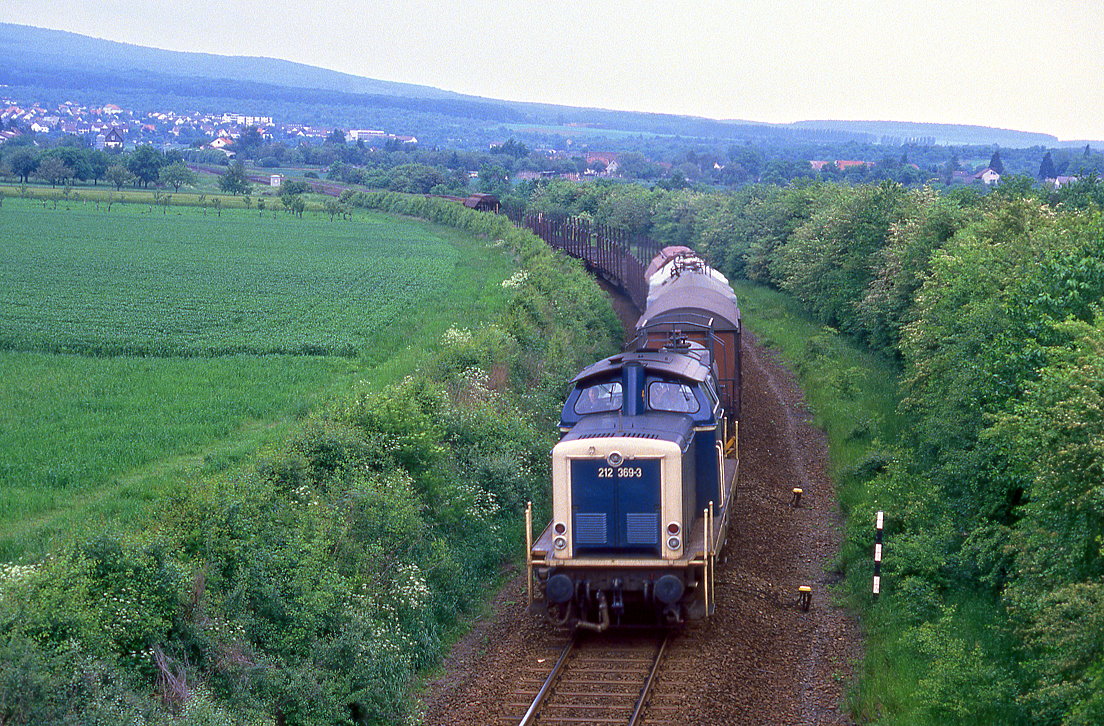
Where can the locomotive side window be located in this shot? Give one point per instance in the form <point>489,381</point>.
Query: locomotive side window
<point>711,394</point>
<point>676,397</point>
<point>599,398</point>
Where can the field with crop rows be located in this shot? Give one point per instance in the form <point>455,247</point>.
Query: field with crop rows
<point>138,346</point>
<point>185,284</point>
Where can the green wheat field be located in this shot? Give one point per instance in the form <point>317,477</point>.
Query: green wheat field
<point>140,349</point>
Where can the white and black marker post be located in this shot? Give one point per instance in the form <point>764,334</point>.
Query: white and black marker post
<point>878,555</point>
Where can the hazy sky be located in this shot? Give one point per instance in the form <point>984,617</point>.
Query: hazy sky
<point>1028,65</point>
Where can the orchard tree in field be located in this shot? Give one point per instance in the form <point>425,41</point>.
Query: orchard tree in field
<point>334,208</point>
<point>177,175</point>
<point>23,163</point>
<point>234,181</point>
<point>291,187</point>
<point>98,161</point>
<point>145,164</point>
<point>76,158</point>
<point>52,169</point>
<point>119,175</point>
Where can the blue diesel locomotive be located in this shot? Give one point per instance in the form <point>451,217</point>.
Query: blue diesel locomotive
<point>645,473</point>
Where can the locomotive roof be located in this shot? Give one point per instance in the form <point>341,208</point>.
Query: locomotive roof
<point>660,362</point>
<point>695,298</point>
<point>676,427</point>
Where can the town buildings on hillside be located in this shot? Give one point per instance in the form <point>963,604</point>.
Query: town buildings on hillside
<point>111,126</point>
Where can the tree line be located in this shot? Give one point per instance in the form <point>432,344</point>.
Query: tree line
<point>993,307</point>
<point>65,164</point>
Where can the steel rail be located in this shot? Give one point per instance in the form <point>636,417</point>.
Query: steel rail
<point>549,682</point>
<point>639,705</point>
<point>642,701</point>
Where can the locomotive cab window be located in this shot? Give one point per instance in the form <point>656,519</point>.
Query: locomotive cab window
<point>599,398</point>
<point>675,397</point>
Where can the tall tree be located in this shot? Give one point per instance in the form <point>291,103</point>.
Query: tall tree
<point>1046,168</point>
<point>249,143</point>
<point>145,164</point>
<point>234,181</point>
<point>23,163</point>
<point>512,147</point>
<point>949,168</point>
<point>177,175</point>
<point>53,170</point>
<point>995,162</point>
<point>119,175</point>
<point>98,161</point>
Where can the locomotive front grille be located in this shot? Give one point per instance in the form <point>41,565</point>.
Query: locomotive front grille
<point>590,529</point>
<point>642,529</point>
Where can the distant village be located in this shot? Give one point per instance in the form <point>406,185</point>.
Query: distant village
<point>112,127</point>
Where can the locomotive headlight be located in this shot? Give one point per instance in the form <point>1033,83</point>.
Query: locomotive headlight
<point>674,543</point>
<point>560,543</point>
<point>673,528</point>
<point>559,528</point>
<point>614,459</point>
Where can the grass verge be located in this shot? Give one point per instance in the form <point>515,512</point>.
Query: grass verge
<point>922,655</point>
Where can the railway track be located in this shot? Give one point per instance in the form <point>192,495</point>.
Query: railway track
<point>595,679</point>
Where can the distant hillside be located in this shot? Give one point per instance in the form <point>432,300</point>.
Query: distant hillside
<point>55,49</point>
<point>51,66</point>
<point>944,134</point>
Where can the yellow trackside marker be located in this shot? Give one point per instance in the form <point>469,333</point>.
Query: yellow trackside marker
<point>796,501</point>
<point>804,597</point>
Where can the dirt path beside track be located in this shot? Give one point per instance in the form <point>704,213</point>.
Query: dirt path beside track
<point>761,659</point>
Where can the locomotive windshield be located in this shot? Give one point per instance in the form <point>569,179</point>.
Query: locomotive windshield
<point>675,397</point>
<point>599,398</point>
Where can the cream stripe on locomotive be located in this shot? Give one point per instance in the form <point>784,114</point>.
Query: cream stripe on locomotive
<point>628,450</point>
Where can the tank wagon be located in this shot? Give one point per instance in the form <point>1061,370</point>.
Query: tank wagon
<point>645,472</point>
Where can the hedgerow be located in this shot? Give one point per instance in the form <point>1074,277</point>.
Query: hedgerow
<point>310,588</point>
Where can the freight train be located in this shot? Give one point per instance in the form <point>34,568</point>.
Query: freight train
<point>644,475</point>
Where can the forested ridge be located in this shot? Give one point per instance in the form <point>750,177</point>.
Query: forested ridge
<point>993,609</point>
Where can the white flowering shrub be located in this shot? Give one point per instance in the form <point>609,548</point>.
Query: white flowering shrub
<point>515,281</point>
